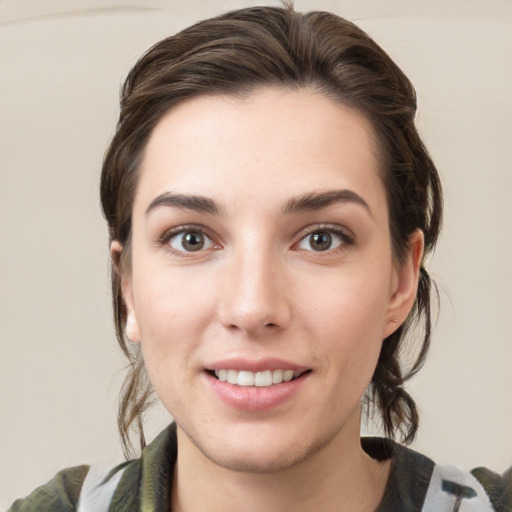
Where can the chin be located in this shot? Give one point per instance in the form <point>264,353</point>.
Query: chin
<point>252,462</point>
<point>260,453</point>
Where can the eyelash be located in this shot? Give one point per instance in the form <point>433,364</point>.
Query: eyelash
<point>167,237</point>
<point>346,240</point>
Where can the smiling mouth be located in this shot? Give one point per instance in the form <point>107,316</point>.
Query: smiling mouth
<point>261,379</point>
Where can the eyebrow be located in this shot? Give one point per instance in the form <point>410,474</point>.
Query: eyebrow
<point>189,202</point>
<point>317,201</point>
<point>296,205</point>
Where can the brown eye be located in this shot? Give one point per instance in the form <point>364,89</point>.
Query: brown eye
<point>190,241</point>
<point>321,240</point>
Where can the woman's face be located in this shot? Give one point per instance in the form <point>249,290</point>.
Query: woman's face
<point>260,251</point>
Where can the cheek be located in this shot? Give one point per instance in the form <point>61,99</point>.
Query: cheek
<point>346,316</point>
<point>348,342</point>
<point>167,342</point>
<point>172,311</point>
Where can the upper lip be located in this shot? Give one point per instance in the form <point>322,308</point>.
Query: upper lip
<point>255,365</point>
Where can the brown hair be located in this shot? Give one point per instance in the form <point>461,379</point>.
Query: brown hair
<point>261,46</point>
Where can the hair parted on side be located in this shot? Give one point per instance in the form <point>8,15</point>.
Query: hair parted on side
<point>270,46</point>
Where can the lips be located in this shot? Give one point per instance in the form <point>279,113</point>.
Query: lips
<point>256,386</point>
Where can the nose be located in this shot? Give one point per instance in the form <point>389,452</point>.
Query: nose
<point>254,296</point>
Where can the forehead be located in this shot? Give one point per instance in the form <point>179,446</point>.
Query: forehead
<point>291,141</point>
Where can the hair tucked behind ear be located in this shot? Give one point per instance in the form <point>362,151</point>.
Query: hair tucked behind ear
<point>268,46</point>
<point>386,393</point>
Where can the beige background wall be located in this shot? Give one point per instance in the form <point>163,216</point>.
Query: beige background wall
<point>61,64</point>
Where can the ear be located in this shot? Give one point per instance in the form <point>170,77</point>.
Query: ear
<point>132,327</point>
<point>404,285</point>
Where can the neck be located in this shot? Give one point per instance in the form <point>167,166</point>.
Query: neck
<point>340,476</point>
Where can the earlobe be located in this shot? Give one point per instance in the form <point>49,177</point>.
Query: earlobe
<point>405,285</point>
<point>132,327</point>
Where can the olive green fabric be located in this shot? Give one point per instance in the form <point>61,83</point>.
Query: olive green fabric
<point>59,495</point>
<point>145,482</point>
<point>144,485</point>
<point>498,488</point>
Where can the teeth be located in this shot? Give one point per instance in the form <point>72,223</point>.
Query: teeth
<point>262,379</point>
<point>245,378</point>
<point>277,376</point>
<point>288,375</point>
<point>232,377</point>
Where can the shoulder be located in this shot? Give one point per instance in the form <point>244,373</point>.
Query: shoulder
<point>121,488</point>
<point>60,494</point>
<point>498,487</point>
<point>78,489</point>
<point>416,483</point>
<point>452,488</point>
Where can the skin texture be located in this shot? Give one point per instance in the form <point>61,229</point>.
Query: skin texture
<point>257,290</point>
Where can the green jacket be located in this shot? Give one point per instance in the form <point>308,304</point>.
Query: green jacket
<point>143,485</point>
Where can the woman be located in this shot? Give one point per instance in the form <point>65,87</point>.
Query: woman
<point>270,205</point>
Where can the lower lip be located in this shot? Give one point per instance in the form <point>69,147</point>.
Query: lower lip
<point>253,398</point>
